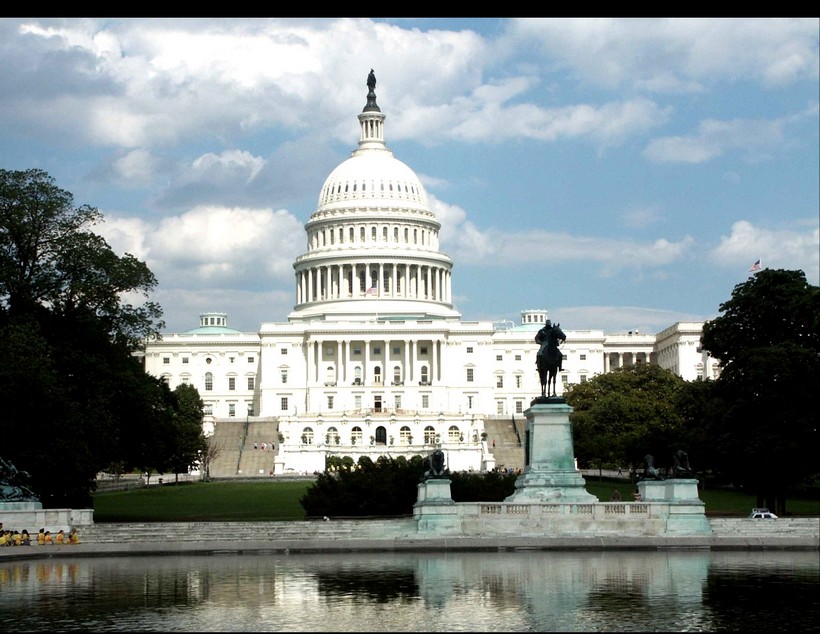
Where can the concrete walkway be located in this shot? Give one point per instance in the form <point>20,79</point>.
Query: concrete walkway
<point>395,536</point>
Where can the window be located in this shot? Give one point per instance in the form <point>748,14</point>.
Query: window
<point>519,407</point>
<point>209,381</point>
<point>357,351</point>
<point>453,433</point>
<point>499,380</point>
<point>499,357</point>
<point>422,350</point>
<point>185,360</point>
<point>396,375</point>
<point>250,359</point>
<point>231,409</point>
<point>425,401</point>
<point>329,352</point>
<point>469,402</point>
<point>284,375</point>
<point>424,375</point>
<point>377,375</point>
<point>357,401</point>
<point>357,375</point>
<point>499,407</point>
<point>377,350</point>
<point>583,378</point>
<point>469,375</point>
<point>356,435</point>
<point>330,401</point>
<point>518,357</point>
<point>208,360</point>
<point>208,409</point>
<point>250,382</point>
<point>429,435</point>
<point>564,380</point>
<point>166,360</point>
<point>404,435</point>
<point>230,359</point>
<point>307,435</point>
<point>517,380</point>
<point>396,350</point>
<point>469,350</point>
<point>398,401</point>
<point>283,350</point>
<point>283,404</point>
<point>583,357</point>
<point>332,436</point>
<point>231,383</point>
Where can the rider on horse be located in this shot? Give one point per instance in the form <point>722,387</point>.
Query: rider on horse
<point>549,358</point>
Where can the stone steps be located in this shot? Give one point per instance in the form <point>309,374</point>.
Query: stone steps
<point>782,527</point>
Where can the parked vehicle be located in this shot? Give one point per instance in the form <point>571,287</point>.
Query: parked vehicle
<point>762,514</point>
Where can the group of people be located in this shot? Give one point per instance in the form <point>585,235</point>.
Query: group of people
<point>44,537</point>
<point>264,446</point>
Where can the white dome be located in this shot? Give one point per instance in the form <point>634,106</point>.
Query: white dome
<point>372,178</point>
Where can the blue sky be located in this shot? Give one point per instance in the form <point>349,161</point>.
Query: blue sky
<point>622,173</point>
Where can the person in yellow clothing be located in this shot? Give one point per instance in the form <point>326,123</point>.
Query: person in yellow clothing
<point>48,540</point>
<point>73,536</point>
<point>41,537</point>
<point>4,538</point>
<point>60,537</point>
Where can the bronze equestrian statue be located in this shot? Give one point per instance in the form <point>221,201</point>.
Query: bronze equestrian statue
<point>549,358</point>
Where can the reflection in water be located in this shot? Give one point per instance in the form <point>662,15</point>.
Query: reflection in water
<point>481,591</point>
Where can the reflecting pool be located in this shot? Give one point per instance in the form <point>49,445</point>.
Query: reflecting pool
<point>511,591</point>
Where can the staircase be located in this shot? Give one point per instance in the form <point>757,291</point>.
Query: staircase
<point>508,435</point>
<point>237,456</point>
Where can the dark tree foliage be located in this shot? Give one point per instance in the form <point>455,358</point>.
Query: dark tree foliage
<point>768,342</point>
<point>621,416</point>
<point>389,486</point>
<point>69,381</point>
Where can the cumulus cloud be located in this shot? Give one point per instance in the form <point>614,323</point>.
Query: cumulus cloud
<point>790,247</point>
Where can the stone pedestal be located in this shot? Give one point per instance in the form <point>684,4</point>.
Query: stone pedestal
<point>549,456</point>
<point>434,509</point>
<point>687,513</point>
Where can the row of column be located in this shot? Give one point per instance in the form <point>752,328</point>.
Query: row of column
<point>343,350</point>
<point>344,281</point>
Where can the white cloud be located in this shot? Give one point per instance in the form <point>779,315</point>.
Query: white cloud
<point>792,247</point>
<point>755,138</point>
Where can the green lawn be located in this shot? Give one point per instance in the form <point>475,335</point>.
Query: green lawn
<point>278,500</point>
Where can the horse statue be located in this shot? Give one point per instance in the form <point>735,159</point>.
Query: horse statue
<point>650,472</point>
<point>549,357</point>
<point>681,468</point>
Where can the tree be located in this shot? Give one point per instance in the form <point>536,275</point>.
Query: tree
<point>768,343</point>
<point>620,416</point>
<point>188,445</point>
<point>69,380</point>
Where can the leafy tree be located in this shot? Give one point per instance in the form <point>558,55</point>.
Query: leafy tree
<point>188,443</point>
<point>768,343</point>
<point>69,380</point>
<point>620,416</point>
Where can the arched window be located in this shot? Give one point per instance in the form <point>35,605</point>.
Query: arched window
<point>307,436</point>
<point>332,437</point>
<point>404,435</point>
<point>377,375</point>
<point>453,433</point>
<point>330,374</point>
<point>429,435</point>
<point>209,381</point>
<point>424,375</point>
<point>396,375</point>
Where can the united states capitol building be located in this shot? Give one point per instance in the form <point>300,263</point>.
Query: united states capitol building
<point>375,359</point>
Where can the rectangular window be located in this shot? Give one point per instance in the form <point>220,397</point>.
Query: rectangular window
<point>166,360</point>
<point>469,350</point>
<point>209,382</point>
<point>396,350</point>
<point>564,380</point>
<point>469,402</point>
<point>425,401</point>
<point>499,357</point>
<point>583,378</point>
<point>208,409</point>
<point>231,409</point>
<point>518,357</point>
<point>328,352</point>
<point>377,350</point>
<point>519,407</point>
<point>250,359</point>
<point>283,350</point>
<point>185,360</point>
<point>231,383</point>
<point>422,350</point>
<point>250,409</point>
<point>517,380</point>
<point>284,374</point>
<point>357,351</point>
<point>330,401</point>
<point>358,401</point>
<point>469,375</point>
<point>398,401</point>
<point>499,407</point>
<point>583,357</point>
<point>499,381</point>
<point>250,382</point>
<point>283,404</point>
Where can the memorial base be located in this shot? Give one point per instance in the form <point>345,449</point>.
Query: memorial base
<point>434,509</point>
<point>687,513</point>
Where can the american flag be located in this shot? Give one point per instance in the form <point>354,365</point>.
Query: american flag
<point>755,266</point>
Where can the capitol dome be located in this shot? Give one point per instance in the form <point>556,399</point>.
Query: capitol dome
<point>373,249</point>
